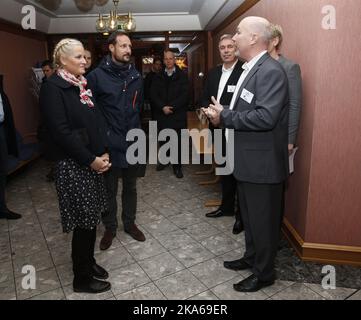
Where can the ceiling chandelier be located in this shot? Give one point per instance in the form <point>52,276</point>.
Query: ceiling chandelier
<point>115,21</point>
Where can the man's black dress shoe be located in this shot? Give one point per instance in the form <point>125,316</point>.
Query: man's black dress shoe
<point>99,272</point>
<point>178,172</point>
<point>236,265</point>
<point>252,284</point>
<point>238,227</point>
<point>10,215</point>
<point>218,213</point>
<point>92,286</point>
<point>161,167</point>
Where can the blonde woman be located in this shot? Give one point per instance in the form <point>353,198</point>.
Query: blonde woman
<point>77,131</point>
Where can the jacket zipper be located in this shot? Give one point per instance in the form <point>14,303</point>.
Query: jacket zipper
<point>135,99</point>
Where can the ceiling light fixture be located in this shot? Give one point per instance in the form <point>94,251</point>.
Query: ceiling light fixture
<point>115,21</point>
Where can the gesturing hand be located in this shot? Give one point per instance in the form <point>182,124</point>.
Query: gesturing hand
<point>213,112</point>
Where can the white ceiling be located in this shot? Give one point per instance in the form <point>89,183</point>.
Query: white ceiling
<point>64,16</point>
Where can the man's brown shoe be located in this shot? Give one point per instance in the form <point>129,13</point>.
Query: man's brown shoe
<point>135,233</point>
<point>107,240</point>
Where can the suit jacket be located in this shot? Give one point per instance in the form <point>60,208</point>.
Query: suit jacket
<point>261,125</point>
<point>170,91</point>
<point>148,84</point>
<point>293,73</point>
<point>147,91</point>
<point>212,84</point>
<point>9,127</point>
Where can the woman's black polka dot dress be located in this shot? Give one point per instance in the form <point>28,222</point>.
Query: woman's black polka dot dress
<point>82,195</point>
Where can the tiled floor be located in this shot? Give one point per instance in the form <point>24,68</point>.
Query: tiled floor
<point>181,259</point>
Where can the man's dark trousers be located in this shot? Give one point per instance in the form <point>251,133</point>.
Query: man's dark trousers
<point>229,189</point>
<point>262,227</point>
<point>179,146</point>
<point>129,197</point>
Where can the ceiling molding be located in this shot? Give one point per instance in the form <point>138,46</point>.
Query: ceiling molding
<point>144,24</point>
<point>243,8</point>
<point>210,10</point>
<point>194,15</point>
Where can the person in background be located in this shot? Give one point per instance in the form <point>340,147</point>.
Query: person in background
<point>8,145</point>
<point>221,83</point>
<point>157,67</point>
<point>118,89</point>
<point>293,72</point>
<point>48,69</point>
<point>170,98</point>
<point>89,62</point>
<point>78,132</point>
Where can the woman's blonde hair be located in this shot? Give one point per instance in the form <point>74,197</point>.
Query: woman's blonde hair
<point>63,48</point>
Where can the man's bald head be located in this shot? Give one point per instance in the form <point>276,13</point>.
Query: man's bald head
<point>258,26</point>
<point>252,37</point>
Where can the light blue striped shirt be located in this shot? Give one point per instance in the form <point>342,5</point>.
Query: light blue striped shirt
<point>1,110</point>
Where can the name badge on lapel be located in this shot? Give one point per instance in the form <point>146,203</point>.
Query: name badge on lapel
<point>247,96</point>
<point>231,89</point>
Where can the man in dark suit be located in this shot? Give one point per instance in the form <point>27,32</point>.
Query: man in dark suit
<point>170,97</point>
<point>156,69</point>
<point>259,116</point>
<point>8,145</point>
<point>48,69</point>
<point>221,83</point>
<point>43,134</point>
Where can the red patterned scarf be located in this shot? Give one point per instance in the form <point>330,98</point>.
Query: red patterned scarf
<point>80,83</point>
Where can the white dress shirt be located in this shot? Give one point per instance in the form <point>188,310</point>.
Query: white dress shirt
<point>1,110</point>
<point>170,71</point>
<point>226,73</point>
<point>247,67</point>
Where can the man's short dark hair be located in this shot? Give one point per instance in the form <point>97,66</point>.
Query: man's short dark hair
<point>47,63</point>
<point>157,59</point>
<point>112,39</point>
